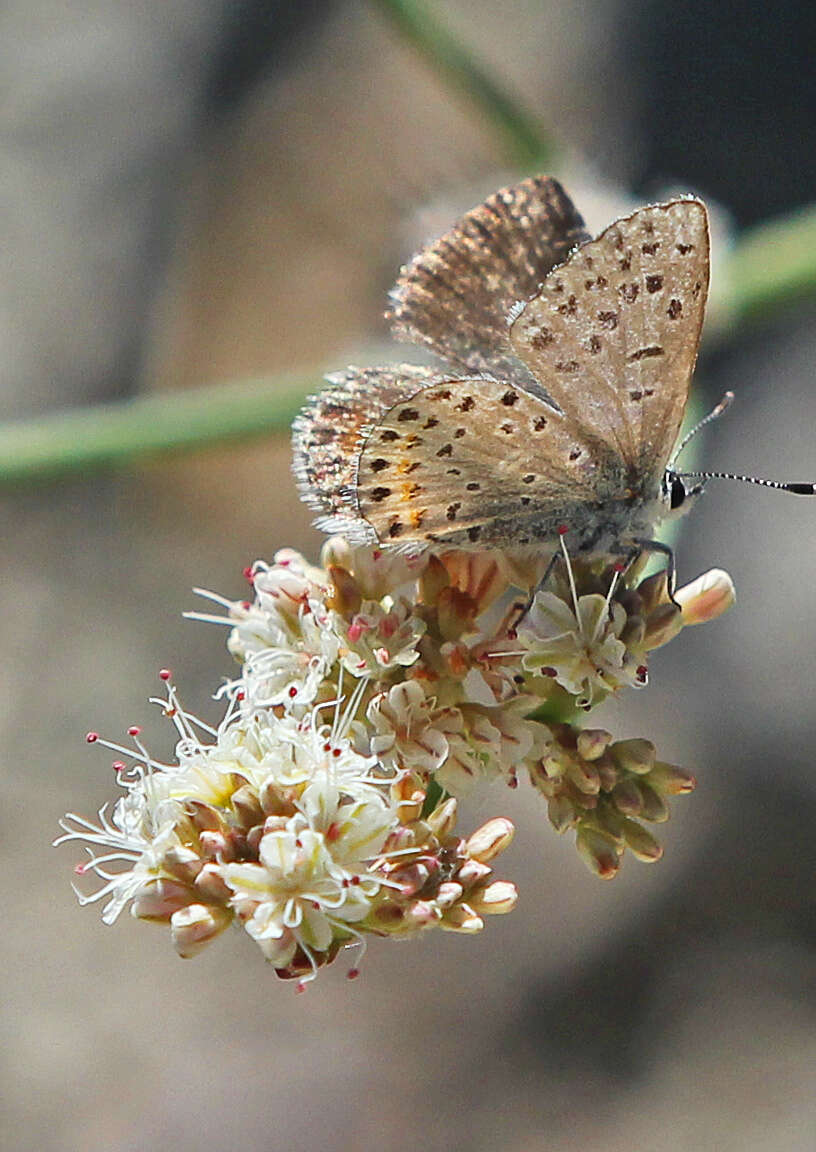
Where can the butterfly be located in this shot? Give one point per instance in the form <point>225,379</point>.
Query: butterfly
<point>567,366</point>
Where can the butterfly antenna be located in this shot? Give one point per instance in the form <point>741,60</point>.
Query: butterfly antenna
<point>715,412</point>
<point>799,489</point>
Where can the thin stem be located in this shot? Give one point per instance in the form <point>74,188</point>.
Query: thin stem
<point>106,436</point>
<point>527,145</point>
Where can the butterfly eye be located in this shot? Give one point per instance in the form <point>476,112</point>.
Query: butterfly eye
<point>677,492</point>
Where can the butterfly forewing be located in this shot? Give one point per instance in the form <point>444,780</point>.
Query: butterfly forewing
<point>455,295</point>
<point>472,461</point>
<point>614,332</point>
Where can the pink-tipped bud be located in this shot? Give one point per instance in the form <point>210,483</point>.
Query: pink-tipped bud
<point>134,730</point>
<point>592,743</point>
<point>497,898</point>
<point>641,843</point>
<point>671,780</point>
<point>448,893</point>
<point>462,918</point>
<point>489,840</point>
<point>165,674</point>
<point>193,927</point>
<point>599,850</point>
<point>707,597</point>
<point>472,872</point>
<point>91,737</point>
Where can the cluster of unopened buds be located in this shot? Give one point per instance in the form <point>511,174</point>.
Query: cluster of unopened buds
<point>373,693</point>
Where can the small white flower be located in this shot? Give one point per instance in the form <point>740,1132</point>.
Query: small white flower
<point>402,731</point>
<point>310,886</point>
<point>378,638</point>
<point>377,572</point>
<point>581,649</point>
<point>133,842</point>
<point>303,750</point>
<point>292,671</point>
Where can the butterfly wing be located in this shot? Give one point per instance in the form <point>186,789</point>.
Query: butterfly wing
<point>455,295</point>
<point>472,462</point>
<point>614,332</point>
<point>327,434</point>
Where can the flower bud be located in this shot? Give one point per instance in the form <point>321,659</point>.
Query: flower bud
<point>627,797</point>
<point>160,899</point>
<point>592,742</point>
<point>671,780</point>
<point>599,851</point>
<point>472,872</point>
<point>707,597</point>
<point>561,812</point>
<point>183,863</point>
<point>636,755</point>
<point>193,927</point>
<point>497,898</point>
<point>462,918</point>
<point>655,809</point>
<point>448,893</point>
<point>443,818</point>
<point>489,840</point>
<point>642,843</point>
<point>211,884</point>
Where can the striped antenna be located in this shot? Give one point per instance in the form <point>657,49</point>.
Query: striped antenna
<point>716,411</point>
<point>799,489</point>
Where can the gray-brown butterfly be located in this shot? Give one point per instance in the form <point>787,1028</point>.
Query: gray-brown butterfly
<point>569,362</point>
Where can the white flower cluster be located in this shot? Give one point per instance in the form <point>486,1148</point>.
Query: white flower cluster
<point>372,692</point>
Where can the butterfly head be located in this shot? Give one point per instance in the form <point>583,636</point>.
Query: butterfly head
<point>677,494</point>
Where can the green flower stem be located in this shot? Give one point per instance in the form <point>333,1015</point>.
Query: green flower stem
<point>527,145</point>
<point>113,436</point>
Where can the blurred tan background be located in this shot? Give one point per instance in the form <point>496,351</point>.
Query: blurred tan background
<point>202,192</point>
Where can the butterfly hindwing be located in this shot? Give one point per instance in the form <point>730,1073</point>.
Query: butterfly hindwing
<point>327,434</point>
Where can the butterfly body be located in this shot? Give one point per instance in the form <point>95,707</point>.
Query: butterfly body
<point>569,366</point>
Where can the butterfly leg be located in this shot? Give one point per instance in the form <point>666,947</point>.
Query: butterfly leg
<point>671,569</point>
<point>527,605</point>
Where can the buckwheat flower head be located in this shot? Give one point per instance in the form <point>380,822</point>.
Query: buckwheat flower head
<point>370,692</point>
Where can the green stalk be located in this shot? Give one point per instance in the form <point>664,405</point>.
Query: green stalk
<point>527,145</point>
<point>106,436</point>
